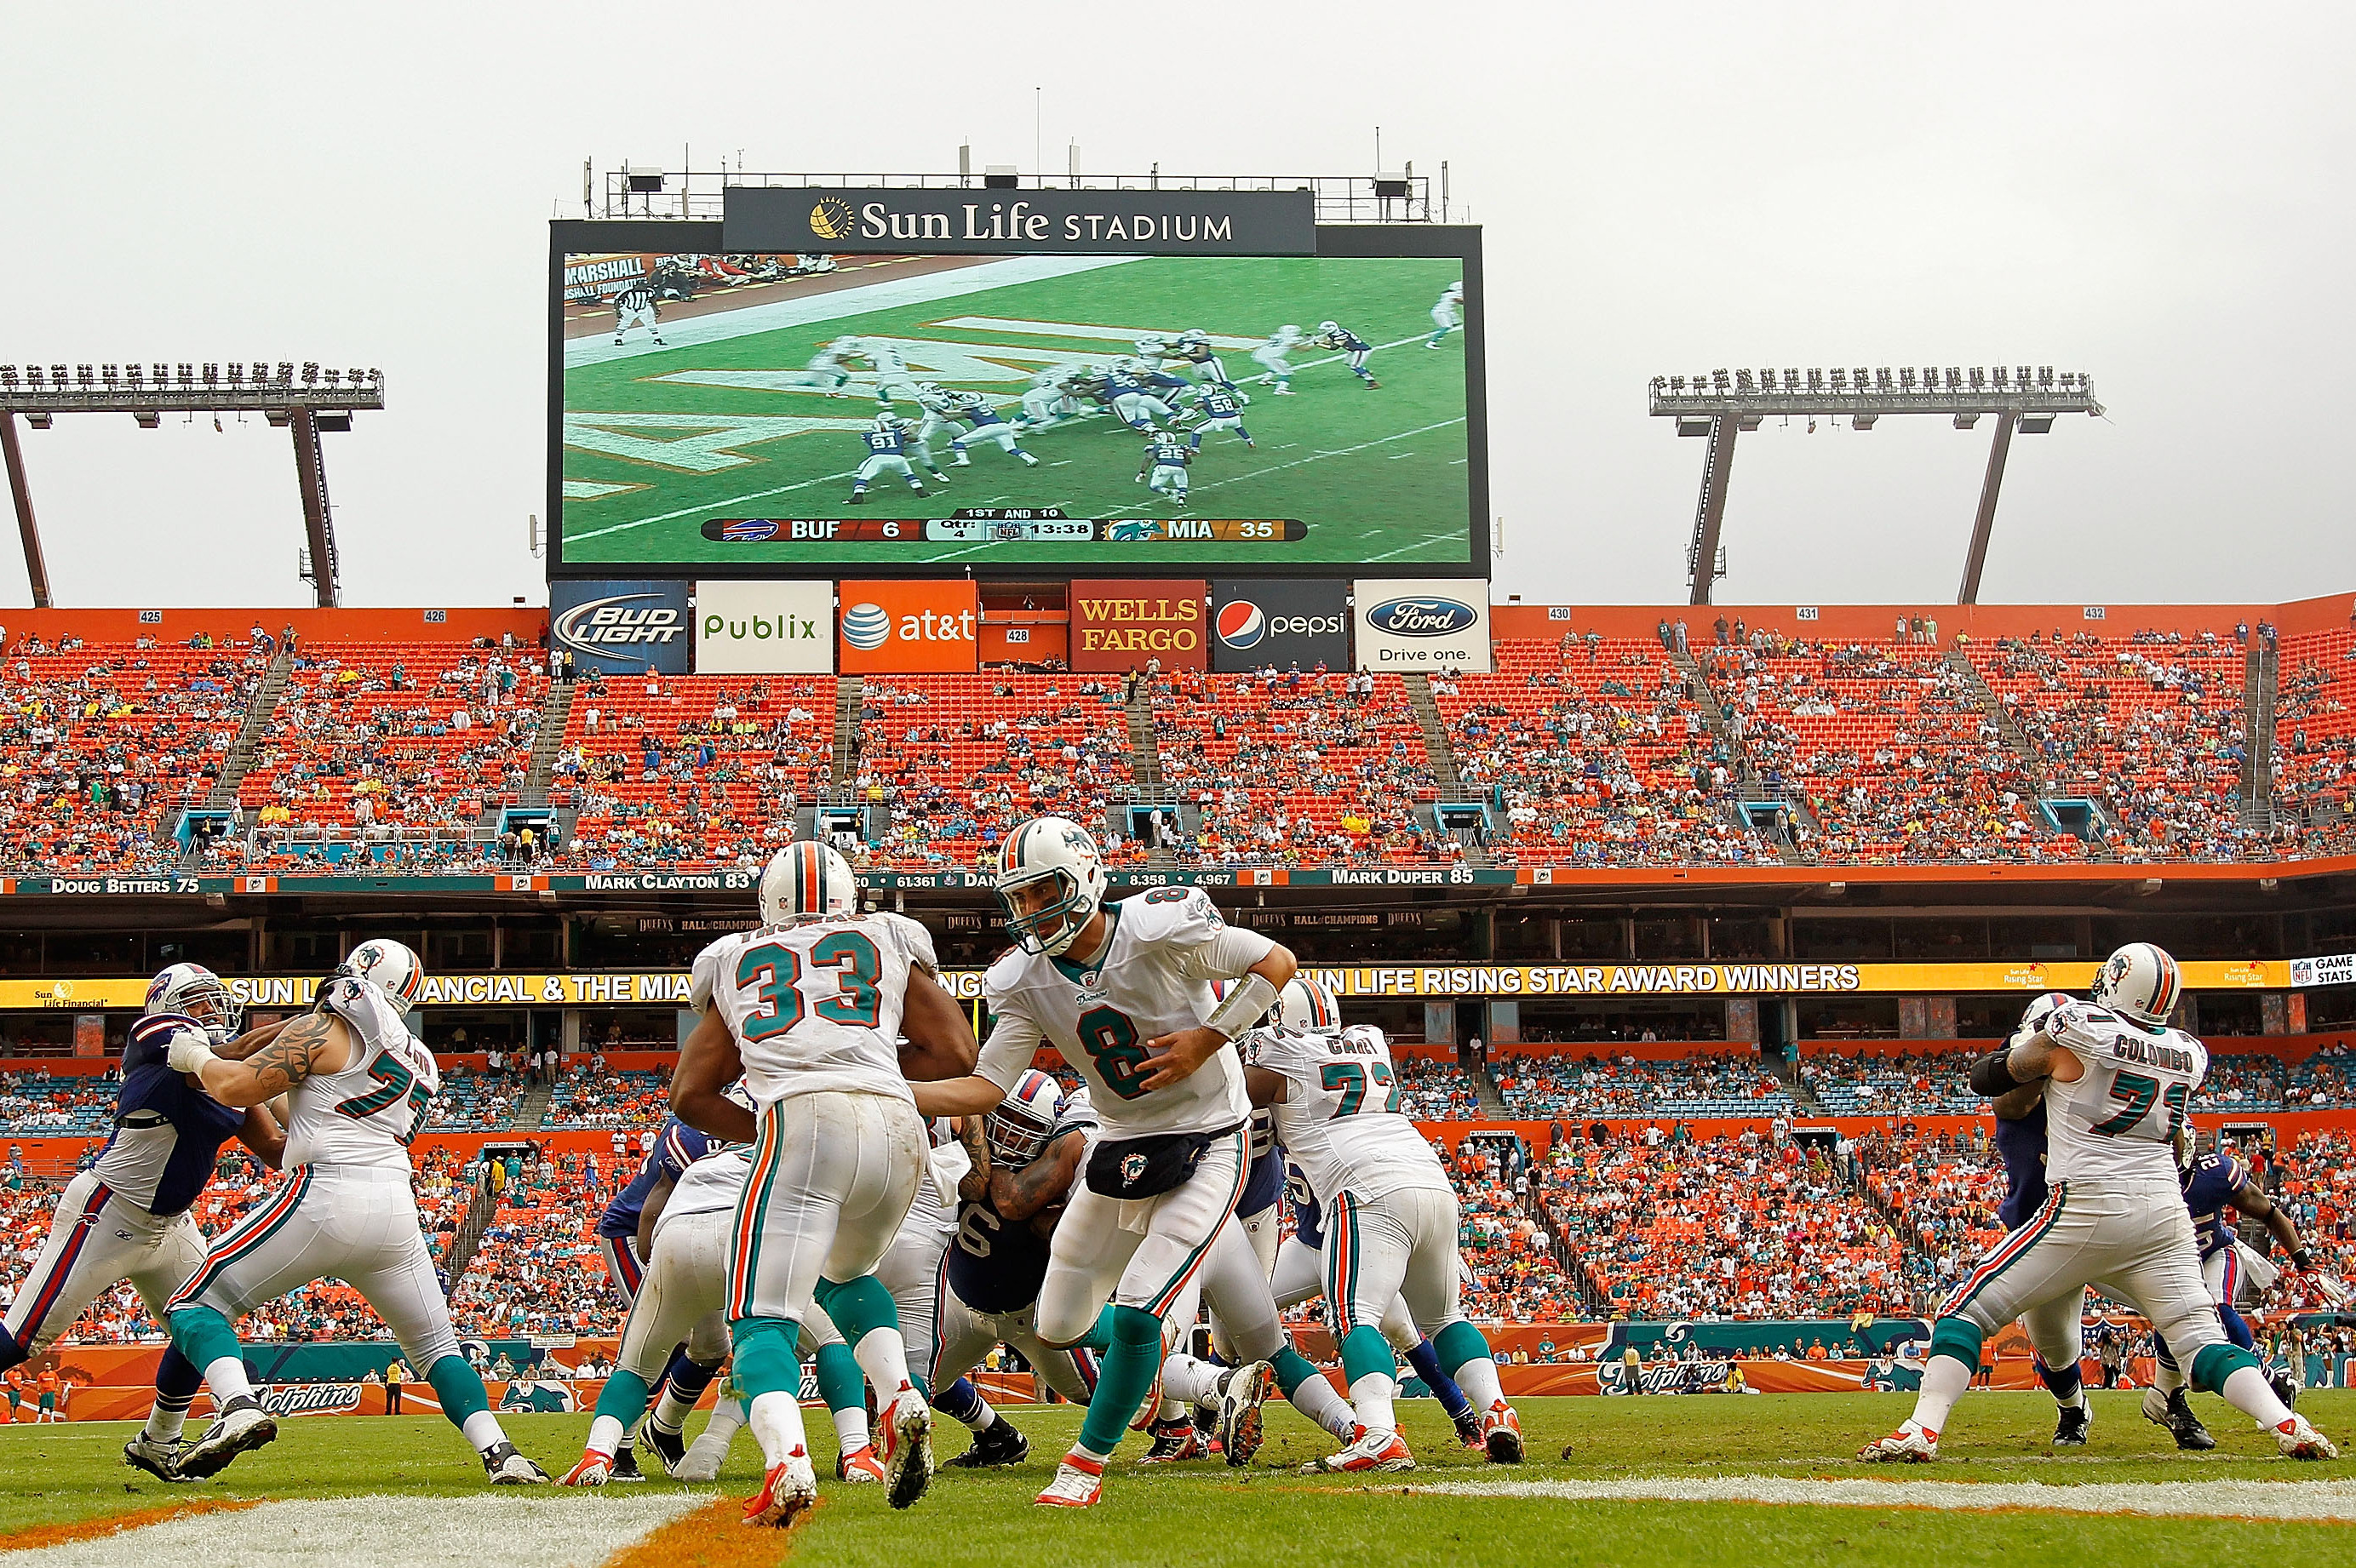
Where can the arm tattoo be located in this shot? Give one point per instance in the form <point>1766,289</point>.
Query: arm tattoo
<point>287,1059</point>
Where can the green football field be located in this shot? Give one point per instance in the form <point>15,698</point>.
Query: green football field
<point>1379,476</point>
<point>1708,1479</point>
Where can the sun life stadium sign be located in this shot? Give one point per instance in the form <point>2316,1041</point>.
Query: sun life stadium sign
<point>967,221</point>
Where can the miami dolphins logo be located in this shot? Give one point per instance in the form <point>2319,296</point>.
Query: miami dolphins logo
<point>831,219</point>
<point>1133,1167</point>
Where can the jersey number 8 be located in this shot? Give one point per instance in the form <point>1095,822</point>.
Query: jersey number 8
<point>1111,1039</point>
<point>777,969</point>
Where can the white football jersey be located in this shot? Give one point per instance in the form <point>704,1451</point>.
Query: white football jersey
<point>1339,1121</point>
<point>368,1114</point>
<point>2118,1122</point>
<point>814,1007</point>
<point>1152,979</point>
<point>709,1185</point>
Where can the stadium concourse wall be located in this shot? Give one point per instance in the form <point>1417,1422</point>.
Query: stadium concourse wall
<point>177,625</point>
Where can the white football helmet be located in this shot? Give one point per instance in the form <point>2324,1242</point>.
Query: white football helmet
<point>2141,982</point>
<point>394,969</point>
<point>807,880</point>
<point>1017,1130</point>
<point>1051,882</point>
<point>1329,327</point>
<point>195,992</point>
<point>2034,1017</point>
<point>1308,1006</point>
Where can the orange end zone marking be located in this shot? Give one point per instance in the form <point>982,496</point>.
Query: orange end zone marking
<point>39,1535</point>
<point>713,1536</point>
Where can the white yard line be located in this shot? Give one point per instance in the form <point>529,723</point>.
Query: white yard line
<point>2329,1501</point>
<point>562,1529</point>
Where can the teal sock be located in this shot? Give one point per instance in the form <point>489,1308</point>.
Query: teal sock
<point>1099,1336</point>
<point>765,1362</point>
<point>624,1398</point>
<point>858,1307</point>
<point>203,1336</point>
<point>459,1388</point>
<point>1957,1338</point>
<point>2215,1363</point>
<point>1458,1343</point>
<point>1124,1379</point>
<point>1293,1370</point>
<point>1365,1350</point>
<point>840,1381</point>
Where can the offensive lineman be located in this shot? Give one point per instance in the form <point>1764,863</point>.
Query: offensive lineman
<point>809,1010</point>
<point>127,1216</point>
<point>2116,1081</point>
<point>356,1086</point>
<point>1123,992</point>
<point>1390,1218</point>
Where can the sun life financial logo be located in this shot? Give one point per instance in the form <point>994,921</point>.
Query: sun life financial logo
<point>831,219</point>
<point>1421,617</point>
<point>599,625</point>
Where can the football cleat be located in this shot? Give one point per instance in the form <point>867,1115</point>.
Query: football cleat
<point>859,497</point>
<point>1149,1407</point>
<point>907,1446</point>
<point>1501,1434</point>
<point>668,1448</point>
<point>241,1428</point>
<point>1469,1426</point>
<point>2070,1426</point>
<point>1174,1442</point>
<point>995,1447</point>
<point>1241,1392</point>
<point>2174,1411</point>
<point>1385,1451</point>
<point>506,1468</point>
<point>2286,1386</point>
<point>595,1470</point>
<point>1910,1444</point>
<point>1078,1483</point>
<point>705,1458</point>
<point>1372,383</point>
<point>788,1491</point>
<point>626,1466</point>
<point>861,1467</point>
<point>2297,1440</point>
<point>159,1459</point>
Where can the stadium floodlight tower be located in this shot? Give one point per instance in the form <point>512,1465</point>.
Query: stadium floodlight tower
<point>307,404</point>
<point>1723,402</point>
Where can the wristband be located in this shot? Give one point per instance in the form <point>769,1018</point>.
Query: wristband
<point>1247,1003</point>
<point>1992,1073</point>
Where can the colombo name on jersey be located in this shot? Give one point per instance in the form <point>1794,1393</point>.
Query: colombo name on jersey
<point>1152,977</point>
<point>2116,1124</point>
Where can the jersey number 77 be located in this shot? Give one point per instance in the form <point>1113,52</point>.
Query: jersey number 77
<point>777,969</point>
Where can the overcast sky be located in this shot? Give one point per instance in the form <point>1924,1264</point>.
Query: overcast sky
<point>2158,195</point>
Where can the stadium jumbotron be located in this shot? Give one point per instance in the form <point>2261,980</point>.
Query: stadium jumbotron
<point>1028,920</point>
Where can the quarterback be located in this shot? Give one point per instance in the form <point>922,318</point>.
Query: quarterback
<point>1123,992</point>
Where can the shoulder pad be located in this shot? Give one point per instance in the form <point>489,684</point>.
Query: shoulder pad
<point>1005,975</point>
<point>1188,921</point>
<point>913,939</point>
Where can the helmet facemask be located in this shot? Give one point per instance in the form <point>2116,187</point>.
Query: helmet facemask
<point>1015,1135</point>
<point>1047,924</point>
<point>210,1003</point>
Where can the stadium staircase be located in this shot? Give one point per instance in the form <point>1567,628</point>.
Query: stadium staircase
<point>469,1235</point>
<point>534,1109</point>
<point>2032,765</point>
<point>249,735</point>
<point>1787,1073</point>
<point>1749,787</point>
<point>1148,787</point>
<point>850,694</point>
<point>1484,1087</point>
<point>2262,668</point>
<point>548,744</point>
<point>1442,759</point>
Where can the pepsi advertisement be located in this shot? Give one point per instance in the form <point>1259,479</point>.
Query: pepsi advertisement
<point>1280,621</point>
<point>620,627</point>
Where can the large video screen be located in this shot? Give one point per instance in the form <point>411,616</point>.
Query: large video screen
<point>753,414</point>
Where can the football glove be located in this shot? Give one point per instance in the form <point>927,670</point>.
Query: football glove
<point>190,1050</point>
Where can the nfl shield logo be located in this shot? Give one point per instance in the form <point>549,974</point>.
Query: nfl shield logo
<point>1132,1167</point>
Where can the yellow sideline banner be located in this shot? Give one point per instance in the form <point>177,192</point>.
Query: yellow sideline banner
<point>657,988</point>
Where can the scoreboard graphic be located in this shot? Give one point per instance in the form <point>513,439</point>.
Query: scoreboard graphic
<point>726,414</point>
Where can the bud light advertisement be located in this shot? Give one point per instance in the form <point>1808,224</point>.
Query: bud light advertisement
<point>621,627</point>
